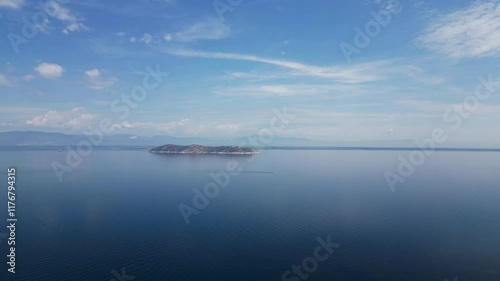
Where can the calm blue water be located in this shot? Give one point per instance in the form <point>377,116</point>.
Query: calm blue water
<point>119,209</point>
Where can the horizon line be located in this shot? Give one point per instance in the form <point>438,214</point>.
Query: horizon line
<point>281,147</point>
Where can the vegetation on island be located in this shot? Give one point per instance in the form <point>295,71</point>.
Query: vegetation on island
<point>200,149</point>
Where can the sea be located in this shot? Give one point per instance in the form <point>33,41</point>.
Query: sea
<point>285,214</point>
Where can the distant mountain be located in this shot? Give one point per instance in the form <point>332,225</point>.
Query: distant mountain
<point>262,141</point>
<point>28,138</point>
<point>33,138</point>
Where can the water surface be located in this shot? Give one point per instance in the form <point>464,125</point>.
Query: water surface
<point>119,209</point>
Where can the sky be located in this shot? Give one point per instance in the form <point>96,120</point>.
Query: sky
<point>367,70</point>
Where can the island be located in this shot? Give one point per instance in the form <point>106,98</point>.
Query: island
<point>200,149</point>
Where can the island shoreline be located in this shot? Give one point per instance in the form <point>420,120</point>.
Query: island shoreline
<point>200,149</point>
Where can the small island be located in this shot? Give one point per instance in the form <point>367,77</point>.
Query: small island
<point>200,149</point>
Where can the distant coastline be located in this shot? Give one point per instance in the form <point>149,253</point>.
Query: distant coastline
<point>200,149</point>
<point>347,148</point>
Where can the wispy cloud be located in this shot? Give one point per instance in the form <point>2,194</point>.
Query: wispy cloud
<point>97,81</point>
<point>14,4</point>
<point>61,13</point>
<point>183,127</point>
<point>74,26</point>
<point>286,90</point>
<point>166,128</point>
<point>75,119</point>
<point>470,32</point>
<point>366,72</point>
<point>9,80</point>
<point>146,38</point>
<point>210,29</point>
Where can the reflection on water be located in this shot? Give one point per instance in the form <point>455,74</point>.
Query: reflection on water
<point>121,209</point>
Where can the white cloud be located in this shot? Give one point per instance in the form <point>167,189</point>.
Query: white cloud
<point>49,70</point>
<point>75,26</point>
<point>14,4</point>
<point>96,80</point>
<point>288,90</point>
<point>359,73</point>
<point>7,80</point>
<point>146,38</point>
<point>210,29</point>
<point>183,127</point>
<point>167,127</point>
<point>470,32</point>
<point>93,73</point>
<point>167,37</point>
<point>75,119</point>
<point>61,13</point>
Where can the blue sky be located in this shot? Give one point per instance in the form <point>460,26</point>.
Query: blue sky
<point>368,70</point>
